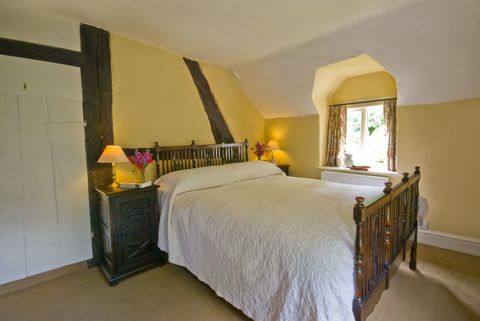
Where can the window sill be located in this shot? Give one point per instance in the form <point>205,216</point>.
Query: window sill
<point>391,175</point>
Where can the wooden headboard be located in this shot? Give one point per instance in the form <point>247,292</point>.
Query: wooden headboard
<point>173,158</point>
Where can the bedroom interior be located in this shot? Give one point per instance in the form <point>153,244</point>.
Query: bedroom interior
<point>158,83</point>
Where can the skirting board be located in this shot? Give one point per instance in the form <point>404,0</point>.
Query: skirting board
<point>468,245</point>
<point>41,278</point>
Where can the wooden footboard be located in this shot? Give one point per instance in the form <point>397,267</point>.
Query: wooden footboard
<point>383,228</point>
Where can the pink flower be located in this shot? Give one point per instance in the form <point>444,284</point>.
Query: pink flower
<point>259,149</point>
<point>141,160</point>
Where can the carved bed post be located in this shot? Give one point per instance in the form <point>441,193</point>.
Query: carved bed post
<point>388,228</point>
<point>156,148</point>
<point>358,216</point>
<point>194,154</point>
<point>404,217</point>
<point>413,250</point>
<point>246,149</point>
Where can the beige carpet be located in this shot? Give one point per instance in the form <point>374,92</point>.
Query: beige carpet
<point>445,287</point>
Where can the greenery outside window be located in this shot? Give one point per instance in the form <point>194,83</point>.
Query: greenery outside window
<point>366,135</point>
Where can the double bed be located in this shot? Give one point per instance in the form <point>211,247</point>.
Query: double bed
<point>278,247</point>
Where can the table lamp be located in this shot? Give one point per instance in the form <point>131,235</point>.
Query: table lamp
<point>113,154</point>
<point>273,145</point>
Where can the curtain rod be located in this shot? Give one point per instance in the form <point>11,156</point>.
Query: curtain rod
<point>364,101</point>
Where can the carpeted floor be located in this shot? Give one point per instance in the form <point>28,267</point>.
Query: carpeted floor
<point>445,287</point>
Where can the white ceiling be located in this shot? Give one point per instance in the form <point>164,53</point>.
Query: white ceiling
<point>432,49</point>
<point>220,31</point>
<point>275,46</point>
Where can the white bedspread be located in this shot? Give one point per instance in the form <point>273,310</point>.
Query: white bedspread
<point>276,247</point>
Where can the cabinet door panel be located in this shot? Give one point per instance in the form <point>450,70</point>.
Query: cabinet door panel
<point>12,254</point>
<point>133,222</point>
<point>42,246</point>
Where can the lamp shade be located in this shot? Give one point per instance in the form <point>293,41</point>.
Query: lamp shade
<point>273,145</point>
<point>113,154</point>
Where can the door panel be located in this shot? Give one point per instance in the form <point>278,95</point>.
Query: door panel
<point>40,78</point>
<point>42,246</point>
<point>65,110</point>
<point>12,253</point>
<point>71,184</point>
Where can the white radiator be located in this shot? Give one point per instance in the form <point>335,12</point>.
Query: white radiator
<point>353,179</point>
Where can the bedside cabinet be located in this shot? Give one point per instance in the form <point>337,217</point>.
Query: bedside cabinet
<point>284,168</point>
<point>128,231</point>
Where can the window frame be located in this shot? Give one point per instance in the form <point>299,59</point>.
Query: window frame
<point>363,108</point>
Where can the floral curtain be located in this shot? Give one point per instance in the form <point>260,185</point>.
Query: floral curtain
<point>390,117</point>
<point>337,129</point>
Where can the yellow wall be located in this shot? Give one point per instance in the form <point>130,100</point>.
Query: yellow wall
<point>243,119</point>
<point>375,85</point>
<point>444,140</point>
<point>155,99</point>
<point>298,140</point>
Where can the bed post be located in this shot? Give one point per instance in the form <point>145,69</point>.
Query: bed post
<point>388,228</point>
<point>358,213</point>
<point>404,217</point>
<point>413,250</point>
<point>194,154</point>
<point>156,148</point>
<point>246,149</point>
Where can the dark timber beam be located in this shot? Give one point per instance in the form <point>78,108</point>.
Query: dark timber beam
<point>220,130</point>
<point>16,48</point>
<point>97,107</point>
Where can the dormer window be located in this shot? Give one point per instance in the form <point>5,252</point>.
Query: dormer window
<point>366,135</point>
<point>365,132</point>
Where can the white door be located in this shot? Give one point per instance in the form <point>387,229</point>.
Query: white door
<point>12,247</point>
<point>67,139</point>
<point>44,214</point>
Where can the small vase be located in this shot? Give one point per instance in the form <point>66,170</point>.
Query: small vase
<point>142,175</point>
<point>259,157</point>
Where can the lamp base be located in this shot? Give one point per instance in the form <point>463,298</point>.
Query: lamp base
<point>114,185</point>
<point>114,178</point>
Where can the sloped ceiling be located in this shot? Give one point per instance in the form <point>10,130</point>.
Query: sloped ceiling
<point>275,47</point>
<point>224,32</point>
<point>432,49</point>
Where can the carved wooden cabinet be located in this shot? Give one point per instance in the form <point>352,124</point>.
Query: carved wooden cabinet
<point>128,231</point>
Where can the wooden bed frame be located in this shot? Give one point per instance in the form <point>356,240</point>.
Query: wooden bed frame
<point>385,228</point>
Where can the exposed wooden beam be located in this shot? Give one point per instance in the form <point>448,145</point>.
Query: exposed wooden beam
<point>219,127</point>
<point>17,48</point>
<point>97,106</point>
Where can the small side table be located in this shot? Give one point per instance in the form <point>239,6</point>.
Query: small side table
<point>128,231</point>
<point>284,168</point>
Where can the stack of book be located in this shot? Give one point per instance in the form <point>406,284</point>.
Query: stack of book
<point>135,184</point>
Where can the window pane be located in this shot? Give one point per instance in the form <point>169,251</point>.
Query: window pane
<point>366,136</point>
<point>354,132</point>
<point>376,140</point>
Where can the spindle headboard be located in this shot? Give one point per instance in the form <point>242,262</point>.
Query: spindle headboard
<point>173,158</point>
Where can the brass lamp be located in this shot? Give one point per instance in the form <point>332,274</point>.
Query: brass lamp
<point>273,145</point>
<point>113,154</point>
